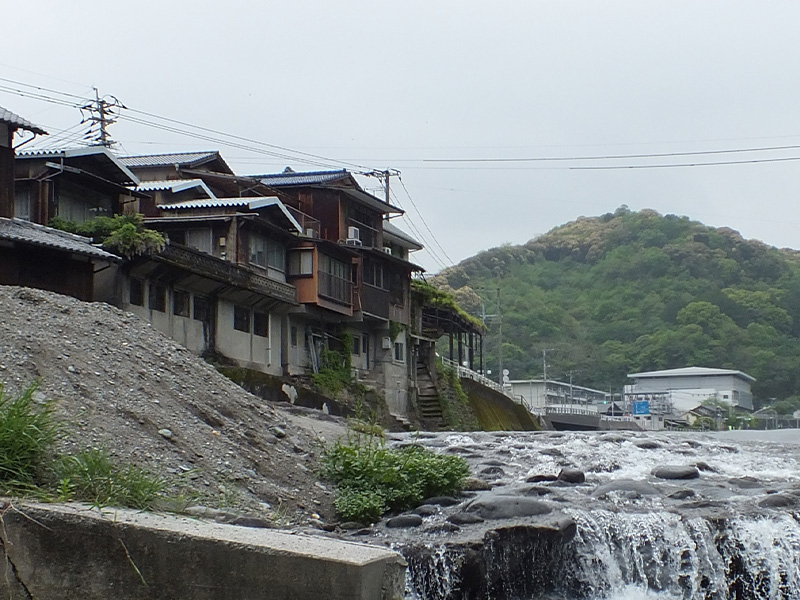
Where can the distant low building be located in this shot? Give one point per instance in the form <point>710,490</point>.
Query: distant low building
<point>537,394</point>
<point>682,390</point>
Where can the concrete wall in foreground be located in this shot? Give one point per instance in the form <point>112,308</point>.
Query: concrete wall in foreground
<point>68,552</point>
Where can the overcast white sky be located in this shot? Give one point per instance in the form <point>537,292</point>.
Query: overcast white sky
<point>409,84</point>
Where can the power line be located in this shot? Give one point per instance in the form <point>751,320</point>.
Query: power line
<point>613,156</point>
<point>427,246</point>
<point>674,165</point>
<point>249,140</point>
<point>41,93</point>
<point>414,204</point>
<point>44,89</point>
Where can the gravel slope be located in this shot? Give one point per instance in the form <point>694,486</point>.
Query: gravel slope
<point>120,384</point>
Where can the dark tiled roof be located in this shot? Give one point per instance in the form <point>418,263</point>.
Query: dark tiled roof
<point>17,122</point>
<point>307,178</point>
<point>16,230</point>
<point>398,233</point>
<point>184,159</point>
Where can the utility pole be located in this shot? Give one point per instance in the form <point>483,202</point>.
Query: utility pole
<point>544,371</point>
<point>99,113</point>
<point>498,317</point>
<point>385,177</point>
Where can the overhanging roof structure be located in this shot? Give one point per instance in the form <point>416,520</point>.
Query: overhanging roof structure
<point>253,204</point>
<point>690,372</point>
<point>14,122</point>
<point>25,232</point>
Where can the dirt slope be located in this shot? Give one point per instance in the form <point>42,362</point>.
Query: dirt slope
<point>121,384</point>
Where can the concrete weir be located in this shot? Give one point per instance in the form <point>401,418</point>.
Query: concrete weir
<point>68,552</point>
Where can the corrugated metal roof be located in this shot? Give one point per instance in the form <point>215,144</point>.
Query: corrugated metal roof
<point>290,178</point>
<point>207,203</point>
<point>307,178</point>
<point>185,159</point>
<point>690,372</point>
<point>402,236</point>
<point>17,230</point>
<point>251,203</point>
<point>175,185</point>
<point>100,153</point>
<point>17,122</point>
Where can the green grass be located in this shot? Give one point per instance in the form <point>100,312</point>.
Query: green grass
<point>372,478</point>
<point>29,466</point>
<point>92,476</point>
<point>28,432</point>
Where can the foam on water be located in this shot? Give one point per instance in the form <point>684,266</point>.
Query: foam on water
<point>641,547</point>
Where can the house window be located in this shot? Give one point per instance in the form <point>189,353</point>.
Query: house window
<point>201,309</point>
<point>357,345</point>
<point>301,262</point>
<point>374,275</point>
<point>22,203</point>
<point>157,298</point>
<point>334,280</point>
<point>267,253</point>
<point>293,335</point>
<point>200,239</point>
<point>136,292</point>
<point>180,303</point>
<point>399,352</point>
<point>80,203</point>
<point>261,324</point>
<point>241,319</point>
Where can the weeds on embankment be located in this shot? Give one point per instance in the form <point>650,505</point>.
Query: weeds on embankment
<point>30,467</point>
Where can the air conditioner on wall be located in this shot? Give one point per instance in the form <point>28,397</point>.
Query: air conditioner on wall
<point>353,236</point>
<point>386,343</point>
<point>387,249</point>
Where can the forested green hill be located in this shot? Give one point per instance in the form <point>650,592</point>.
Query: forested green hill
<point>638,291</point>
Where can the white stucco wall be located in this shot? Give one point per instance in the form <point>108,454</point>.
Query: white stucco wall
<point>246,348</point>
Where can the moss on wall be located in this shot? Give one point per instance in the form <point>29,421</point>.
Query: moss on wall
<point>497,412</point>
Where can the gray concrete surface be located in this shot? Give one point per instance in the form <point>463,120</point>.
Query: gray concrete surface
<point>72,551</point>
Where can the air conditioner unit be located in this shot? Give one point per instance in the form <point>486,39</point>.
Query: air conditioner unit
<point>310,232</point>
<point>353,234</point>
<point>387,249</point>
<point>386,343</point>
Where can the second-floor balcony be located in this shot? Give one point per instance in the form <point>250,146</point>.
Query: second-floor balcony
<point>310,225</point>
<point>335,288</point>
<point>217,269</point>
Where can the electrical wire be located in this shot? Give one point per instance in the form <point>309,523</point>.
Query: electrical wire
<point>249,140</point>
<point>614,156</point>
<point>673,165</point>
<point>414,204</point>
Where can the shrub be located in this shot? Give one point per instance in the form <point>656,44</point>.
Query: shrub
<point>124,234</point>
<point>92,476</point>
<point>373,478</point>
<point>27,434</point>
<point>334,373</point>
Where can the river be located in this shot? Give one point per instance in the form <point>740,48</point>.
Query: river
<point>727,530</point>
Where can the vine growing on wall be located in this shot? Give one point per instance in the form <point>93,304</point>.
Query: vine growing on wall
<point>335,372</point>
<point>394,329</point>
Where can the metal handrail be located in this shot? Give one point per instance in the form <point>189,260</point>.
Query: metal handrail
<point>464,372</point>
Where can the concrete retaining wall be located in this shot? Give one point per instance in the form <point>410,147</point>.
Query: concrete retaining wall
<point>496,411</point>
<point>68,552</point>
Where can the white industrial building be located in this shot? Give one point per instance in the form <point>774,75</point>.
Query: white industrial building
<point>682,390</point>
<point>538,393</point>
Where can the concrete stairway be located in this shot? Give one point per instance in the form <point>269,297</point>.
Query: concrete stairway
<point>428,404</point>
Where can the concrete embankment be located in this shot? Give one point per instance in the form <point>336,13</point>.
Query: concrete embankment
<point>496,411</point>
<point>68,552</point>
